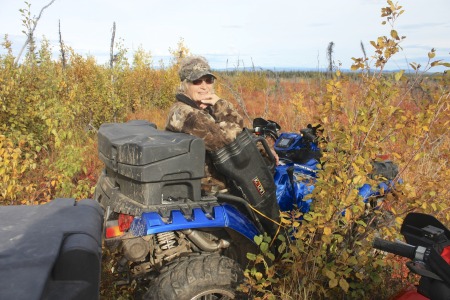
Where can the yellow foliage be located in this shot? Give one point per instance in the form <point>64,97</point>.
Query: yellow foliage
<point>49,114</point>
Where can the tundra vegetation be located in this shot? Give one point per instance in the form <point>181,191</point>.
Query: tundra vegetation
<point>50,111</point>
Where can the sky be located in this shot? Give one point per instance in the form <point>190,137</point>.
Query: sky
<point>276,35</point>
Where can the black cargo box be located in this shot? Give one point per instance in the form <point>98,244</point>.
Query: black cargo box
<point>145,166</point>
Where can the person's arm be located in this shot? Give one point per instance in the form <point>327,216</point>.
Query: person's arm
<point>224,111</point>
<point>216,134</point>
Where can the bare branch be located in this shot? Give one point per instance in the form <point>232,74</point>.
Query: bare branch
<point>365,57</point>
<point>238,98</point>
<point>111,59</point>
<point>30,33</point>
<point>61,44</point>
<point>330,56</point>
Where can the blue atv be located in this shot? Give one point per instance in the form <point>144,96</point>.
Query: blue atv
<point>183,243</point>
<point>299,156</point>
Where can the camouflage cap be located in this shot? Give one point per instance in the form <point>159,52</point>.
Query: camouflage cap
<point>194,67</point>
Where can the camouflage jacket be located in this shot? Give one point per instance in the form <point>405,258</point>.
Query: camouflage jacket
<point>217,125</point>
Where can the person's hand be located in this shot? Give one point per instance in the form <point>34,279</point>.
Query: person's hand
<point>210,99</point>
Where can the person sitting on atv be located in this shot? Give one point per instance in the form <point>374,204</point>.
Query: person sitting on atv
<point>199,111</point>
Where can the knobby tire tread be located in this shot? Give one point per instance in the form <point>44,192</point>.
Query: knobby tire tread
<point>189,275</point>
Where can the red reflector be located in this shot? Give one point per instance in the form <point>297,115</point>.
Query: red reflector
<point>446,254</point>
<point>113,231</point>
<point>125,222</point>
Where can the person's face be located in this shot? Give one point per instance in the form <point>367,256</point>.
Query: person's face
<point>200,89</point>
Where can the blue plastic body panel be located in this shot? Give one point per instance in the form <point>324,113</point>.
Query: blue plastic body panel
<point>291,191</point>
<point>222,216</point>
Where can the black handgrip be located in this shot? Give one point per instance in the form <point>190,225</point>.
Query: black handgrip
<point>404,250</point>
<point>308,134</point>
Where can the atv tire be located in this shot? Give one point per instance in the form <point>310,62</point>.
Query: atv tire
<point>198,276</point>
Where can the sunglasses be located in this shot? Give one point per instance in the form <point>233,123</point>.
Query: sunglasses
<point>208,80</point>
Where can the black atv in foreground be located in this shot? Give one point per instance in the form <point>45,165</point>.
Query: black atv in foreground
<point>51,251</point>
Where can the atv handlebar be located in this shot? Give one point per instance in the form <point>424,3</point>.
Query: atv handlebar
<point>401,249</point>
<point>262,127</point>
<point>268,130</point>
<point>425,263</point>
<point>308,134</point>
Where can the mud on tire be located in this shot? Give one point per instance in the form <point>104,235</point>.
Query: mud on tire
<point>197,276</point>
